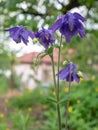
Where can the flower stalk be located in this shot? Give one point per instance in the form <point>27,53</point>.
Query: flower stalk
<point>68,102</point>
<point>57,88</point>
<point>57,93</point>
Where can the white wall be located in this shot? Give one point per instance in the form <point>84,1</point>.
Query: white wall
<point>30,76</point>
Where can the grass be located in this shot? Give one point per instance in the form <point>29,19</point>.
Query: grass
<point>34,110</point>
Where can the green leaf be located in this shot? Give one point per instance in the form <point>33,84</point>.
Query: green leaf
<point>65,99</point>
<point>42,55</point>
<point>49,51</point>
<point>51,99</point>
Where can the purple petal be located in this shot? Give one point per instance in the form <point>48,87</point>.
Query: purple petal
<point>70,19</point>
<point>56,25</point>
<point>31,34</point>
<point>82,31</point>
<point>74,67</point>
<point>13,29</point>
<point>19,34</point>
<point>63,73</point>
<point>45,37</point>
<point>25,41</point>
<point>69,73</point>
<point>69,78</point>
<point>65,30</point>
<point>24,34</point>
<point>76,77</point>
<point>78,16</point>
<point>12,32</point>
<point>68,38</point>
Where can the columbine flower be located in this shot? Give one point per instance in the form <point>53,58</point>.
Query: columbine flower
<point>19,34</point>
<point>70,25</point>
<point>45,37</point>
<point>69,73</point>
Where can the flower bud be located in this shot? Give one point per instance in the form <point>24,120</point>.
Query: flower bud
<point>35,40</point>
<point>36,61</point>
<point>65,62</point>
<point>80,74</point>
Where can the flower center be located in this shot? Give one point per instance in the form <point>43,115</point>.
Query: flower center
<point>71,27</point>
<point>47,37</point>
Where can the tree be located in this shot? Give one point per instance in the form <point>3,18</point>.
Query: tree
<point>41,12</point>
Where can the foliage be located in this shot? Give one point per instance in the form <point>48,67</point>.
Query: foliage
<point>4,57</point>
<point>83,105</point>
<point>28,99</point>
<point>3,125</point>
<point>28,12</point>
<point>4,84</point>
<point>21,121</point>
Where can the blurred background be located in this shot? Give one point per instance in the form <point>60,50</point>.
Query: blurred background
<point>25,88</point>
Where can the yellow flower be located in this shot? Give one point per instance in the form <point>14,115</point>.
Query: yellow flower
<point>96,89</point>
<point>78,101</point>
<point>1,115</point>
<point>70,108</point>
<point>81,79</point>
<point>66,89</point>
<point>29,109</point>
<point>7,128</point>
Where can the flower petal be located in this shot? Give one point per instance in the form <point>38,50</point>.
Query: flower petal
<point>45,37</point>
<point>31,34</point>
<point>78,16</point>
<point>56,25</point>
<point>69,78</point>
<point>76,77</point>
<point>63,73</point>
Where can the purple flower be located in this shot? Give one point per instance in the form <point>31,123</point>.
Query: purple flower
<point>19,34</point>
<point>70,25</point>
<point>69,73</point>
<point>45,37</point>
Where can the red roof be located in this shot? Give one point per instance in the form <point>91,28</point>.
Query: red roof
<point>29,57</point>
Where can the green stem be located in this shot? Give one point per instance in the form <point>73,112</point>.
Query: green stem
<point>67,105</point>
<point>57,105</point>
<point>58,85</point>
<point>53,70</point>
<point>58,68</point>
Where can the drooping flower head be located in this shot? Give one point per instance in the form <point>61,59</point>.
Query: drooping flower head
<point>70,25</point>
<point>45,37</point>
<point>20,34</point>
<point>69,73</point>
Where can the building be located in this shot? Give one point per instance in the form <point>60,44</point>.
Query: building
<point>32,74</point>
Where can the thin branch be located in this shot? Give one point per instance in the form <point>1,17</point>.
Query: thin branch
<point>60,3</point>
